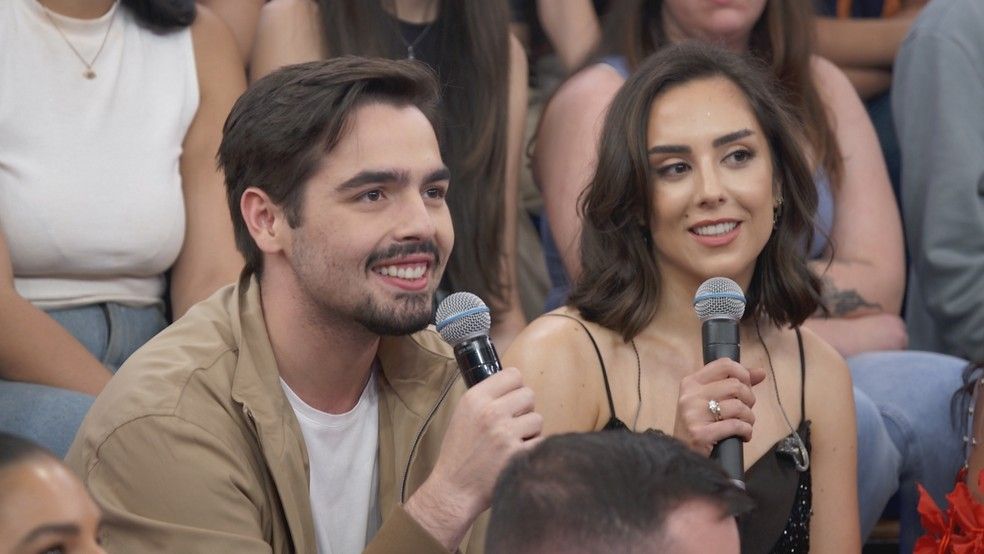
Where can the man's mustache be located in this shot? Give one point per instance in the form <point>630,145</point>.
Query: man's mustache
<point>400,250</point>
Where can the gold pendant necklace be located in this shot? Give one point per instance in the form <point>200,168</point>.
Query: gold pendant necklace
<point>89,73</point>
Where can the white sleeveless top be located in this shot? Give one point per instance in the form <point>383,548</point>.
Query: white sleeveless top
<point>90,191</point>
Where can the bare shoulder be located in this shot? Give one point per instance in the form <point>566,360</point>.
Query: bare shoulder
<point>592,89</point>
<point>571,126</point>
<point>557,359</point>
<point>557,334</point>
<point>210,35</point>
<point>828,381</point>
<point>832,83</point>
<point>288,32</point>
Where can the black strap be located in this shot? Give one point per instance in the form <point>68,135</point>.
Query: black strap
<point>601,362</point>
<point>799,341</point>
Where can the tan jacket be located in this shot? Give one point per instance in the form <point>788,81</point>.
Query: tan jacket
<point>193,447</point>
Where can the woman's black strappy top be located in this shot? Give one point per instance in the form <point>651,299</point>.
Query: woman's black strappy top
<point>780,521</point>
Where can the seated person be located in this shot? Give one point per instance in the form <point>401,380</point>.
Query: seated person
<point>700,175</point>
<point>857,248</point>
<point>110,203</point>
<point>593,493</point>
<point>43,506</point>
<point>308,407</point>
<point>937,105</point>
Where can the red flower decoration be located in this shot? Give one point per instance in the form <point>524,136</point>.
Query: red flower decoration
<point>959,530</point>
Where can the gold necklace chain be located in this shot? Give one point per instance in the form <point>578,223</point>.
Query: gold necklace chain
<point>88,73</point>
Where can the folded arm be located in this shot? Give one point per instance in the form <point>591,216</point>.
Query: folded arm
<point>35,349</point>
<point>863,267</point>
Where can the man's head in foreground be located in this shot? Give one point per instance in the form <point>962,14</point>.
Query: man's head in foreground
<point>614,492</point>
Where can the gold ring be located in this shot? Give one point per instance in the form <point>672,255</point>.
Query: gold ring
<point>715,408</point>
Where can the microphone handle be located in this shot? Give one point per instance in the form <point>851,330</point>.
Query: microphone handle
<point>721,339</point>
<point>477,359</point>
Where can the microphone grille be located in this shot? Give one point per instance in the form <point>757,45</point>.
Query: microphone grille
<point>462,316</point>
<point>719,297</point>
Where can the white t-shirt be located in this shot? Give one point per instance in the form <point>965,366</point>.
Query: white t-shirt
<point>342,456</point>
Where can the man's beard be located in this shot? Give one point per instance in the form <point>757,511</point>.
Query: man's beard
<point>413,314</point>
<point>402,314</point>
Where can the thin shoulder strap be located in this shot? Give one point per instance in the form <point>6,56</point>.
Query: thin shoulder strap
<point>601,361</point>
<point>799,341</point>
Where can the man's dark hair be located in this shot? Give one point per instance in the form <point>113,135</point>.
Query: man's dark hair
<point>281,128</point>
<point>601,492</point>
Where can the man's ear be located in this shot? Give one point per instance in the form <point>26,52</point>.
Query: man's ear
<point>264,219</point>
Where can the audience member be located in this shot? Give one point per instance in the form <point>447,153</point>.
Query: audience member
<point>109,123</point>
<point>43,506</point>
<point>483,106</point>
<point>901,397</point>
<point>700,174</point>
<point>307,407</point>
<point>594,493</point>
<point>939,110</point>
<point>863,37</point>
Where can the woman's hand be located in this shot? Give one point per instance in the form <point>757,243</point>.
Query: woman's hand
<point>730,385</point>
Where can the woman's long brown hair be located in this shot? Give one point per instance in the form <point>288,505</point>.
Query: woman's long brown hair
<point>473,39</point>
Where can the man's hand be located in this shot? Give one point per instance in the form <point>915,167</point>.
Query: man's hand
<point>492,422</point>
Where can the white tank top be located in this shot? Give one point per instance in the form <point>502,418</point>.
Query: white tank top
<point>90,191</point>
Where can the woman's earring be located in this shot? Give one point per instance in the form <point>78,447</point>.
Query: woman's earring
<point>776,213</point>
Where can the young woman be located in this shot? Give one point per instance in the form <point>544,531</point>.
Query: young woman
<point>901,396</point>
<point>699,175</point>
<point>483,70</point>
<point>110,203</point>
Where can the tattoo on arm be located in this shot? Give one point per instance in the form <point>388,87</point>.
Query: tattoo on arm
<point>839,303</point>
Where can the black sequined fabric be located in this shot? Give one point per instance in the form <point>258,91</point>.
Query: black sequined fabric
<point>796,536</point>
<point>780,520</point>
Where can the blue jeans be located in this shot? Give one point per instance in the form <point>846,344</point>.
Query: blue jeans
<point>50,416</point>
<point>905,433</point>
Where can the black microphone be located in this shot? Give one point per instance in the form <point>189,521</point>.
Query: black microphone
<point>463,320</point>
<point>719,304</point>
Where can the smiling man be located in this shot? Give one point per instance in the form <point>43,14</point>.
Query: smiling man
<point>308,408</point>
